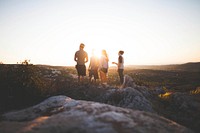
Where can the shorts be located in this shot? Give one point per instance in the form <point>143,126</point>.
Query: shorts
<point>81,69</point>
<point>94,73</point>
<point>105,70</point>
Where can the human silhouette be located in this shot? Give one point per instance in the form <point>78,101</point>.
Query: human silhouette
<point>93,67</point>
<point>120,66</point>
<point>81,57</point>
<point>103,66</point>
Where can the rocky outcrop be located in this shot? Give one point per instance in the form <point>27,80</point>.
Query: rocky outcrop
<point>63,114</point>
<point>129,95</point>
<point>127,98</point>
<point>184,101</point>
<point>184,109</point>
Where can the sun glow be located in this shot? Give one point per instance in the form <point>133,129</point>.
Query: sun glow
<point>96,53</point>
<point>149,34</point>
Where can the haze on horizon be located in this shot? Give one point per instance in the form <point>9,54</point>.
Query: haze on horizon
<point>151,32</point>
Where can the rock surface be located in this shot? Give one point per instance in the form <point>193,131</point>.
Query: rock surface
<point>129,95</point>
<point>62,114</point>
<point>127,98</point>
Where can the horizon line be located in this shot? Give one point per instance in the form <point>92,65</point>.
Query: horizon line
<point>129,65</point>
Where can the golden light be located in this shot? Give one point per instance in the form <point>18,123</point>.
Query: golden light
<point>96,53</point>
<point>166,95</point>
<point>38,121</point>
<point>196,91</point>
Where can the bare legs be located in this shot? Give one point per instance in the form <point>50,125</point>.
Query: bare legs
<point>103,77</point>
<point>80,79</point>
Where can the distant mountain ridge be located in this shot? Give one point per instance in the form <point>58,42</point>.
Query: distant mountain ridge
<point>190,66</point>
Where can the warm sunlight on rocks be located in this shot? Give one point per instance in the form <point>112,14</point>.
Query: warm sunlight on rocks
<point>37,122</point>
<point>197,91</point>
<point>166,95</point>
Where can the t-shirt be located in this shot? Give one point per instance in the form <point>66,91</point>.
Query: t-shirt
<point>94,62</point>
<point>103,62</point>
<point>80,57</point>
<point>120,62</point>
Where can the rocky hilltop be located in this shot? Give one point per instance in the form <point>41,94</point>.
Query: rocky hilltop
<point>62,114</point>
<point>49,99</point>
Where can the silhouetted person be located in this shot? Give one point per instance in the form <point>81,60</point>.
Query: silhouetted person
<point>103,66</point>
<point>120,66</point>
<point>93,67</point>
<point>81,57</point>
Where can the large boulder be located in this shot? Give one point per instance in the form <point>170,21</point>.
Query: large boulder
<point>63,114</point>
<point>129,95</point>
<point>127,98</point>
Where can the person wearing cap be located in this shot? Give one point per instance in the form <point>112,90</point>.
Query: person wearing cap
<point>120,66</point>
<point>81,57</point>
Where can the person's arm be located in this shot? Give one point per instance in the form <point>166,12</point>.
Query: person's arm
<point>89,65</point>
<point>86,58</point>
<point>75,57</point>
<point>115,63</point>
<point>120,60</point>
<point>100,63</point>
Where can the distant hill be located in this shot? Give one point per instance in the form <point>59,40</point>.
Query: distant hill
<point>191,66</point>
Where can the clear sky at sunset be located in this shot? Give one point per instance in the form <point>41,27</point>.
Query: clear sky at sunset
<point>151,32</point>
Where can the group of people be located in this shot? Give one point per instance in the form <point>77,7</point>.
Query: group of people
<point>97,66</point>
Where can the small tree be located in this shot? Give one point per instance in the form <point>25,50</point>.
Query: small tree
<point>26,62</point>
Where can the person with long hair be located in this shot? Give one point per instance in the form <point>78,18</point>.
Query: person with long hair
<point>103,67</point>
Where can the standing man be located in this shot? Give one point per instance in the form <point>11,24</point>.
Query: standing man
<point>81,57</point>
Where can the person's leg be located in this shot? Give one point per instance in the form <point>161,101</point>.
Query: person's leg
<point>90,76</point>
<point>121,75</point>
<point>78,79</point>
<point>96,76</point>
<point>105,77</point>
<point>82,72</point>
<point>78,72</point>
<point>90,79</point>
<point>93,75</point>
<point>82,78</point>
<point>102,76</point>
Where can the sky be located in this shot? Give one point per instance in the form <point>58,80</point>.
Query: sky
<point>150,32</point>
